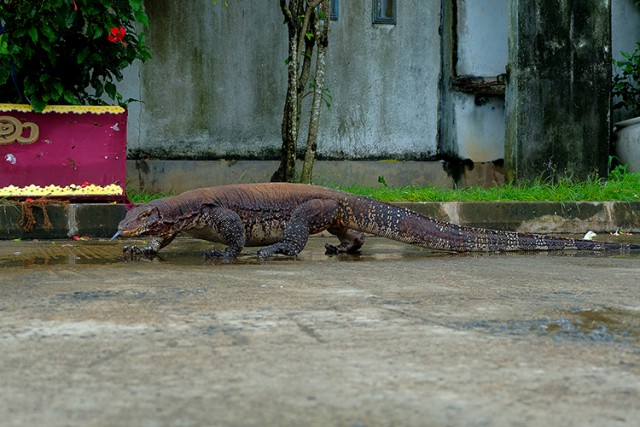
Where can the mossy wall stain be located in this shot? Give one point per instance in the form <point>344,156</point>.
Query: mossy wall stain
<point>558,95</point>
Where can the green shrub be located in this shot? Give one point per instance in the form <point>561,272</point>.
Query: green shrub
<point>68,51</point>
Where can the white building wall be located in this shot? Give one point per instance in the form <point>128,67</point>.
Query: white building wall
<point>482,37</point>
<point>625,26</point>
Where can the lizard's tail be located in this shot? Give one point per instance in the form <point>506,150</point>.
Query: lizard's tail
<point>408,226</point>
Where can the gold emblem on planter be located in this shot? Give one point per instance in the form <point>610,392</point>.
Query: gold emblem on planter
<point>12,130</point>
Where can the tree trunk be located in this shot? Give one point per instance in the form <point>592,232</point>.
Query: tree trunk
<point>298,76</point>
<point>322,39</point>
<point>287,169</point>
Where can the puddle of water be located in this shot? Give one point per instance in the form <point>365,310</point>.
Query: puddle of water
<point>183,251</point>
<point>186,251</point>
<point>600,325</point>
<point>45,253</point>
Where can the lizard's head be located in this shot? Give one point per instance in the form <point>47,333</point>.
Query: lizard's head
<point>141,220</point>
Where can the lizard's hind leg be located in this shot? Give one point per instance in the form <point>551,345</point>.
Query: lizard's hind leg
<point>350,241</point>
<point>310,217</point>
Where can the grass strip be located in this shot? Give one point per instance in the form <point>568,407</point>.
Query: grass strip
<point>619,187</point>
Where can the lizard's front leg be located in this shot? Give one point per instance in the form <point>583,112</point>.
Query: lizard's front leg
<point>228,225</point>
<point>155,244</point>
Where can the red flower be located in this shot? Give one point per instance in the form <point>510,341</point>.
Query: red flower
<point>116,35</point>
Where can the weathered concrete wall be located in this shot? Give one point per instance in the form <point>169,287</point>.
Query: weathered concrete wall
<point>482,51</point>
<point>384,80</point>
<point>478,127</point>
<point>181,175</point>
<point>473,125</point>
<point>216,84</point>
<point>558,91</point>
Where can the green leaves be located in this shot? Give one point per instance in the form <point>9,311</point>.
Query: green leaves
<point>626,82</point>
<point>82,55</point>
<point>111,90</point>
<point>4,48</point>
<point>142,17</point>
<point>58,88</point>
<point>48,33</point>
<point>33,33</point>
<point>63,55</point>
<point>70,97</point>
<point>138,12</point>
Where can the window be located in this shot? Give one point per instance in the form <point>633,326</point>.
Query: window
<point>334,10</point>
<point>384,12</point>
<point>335,5</point>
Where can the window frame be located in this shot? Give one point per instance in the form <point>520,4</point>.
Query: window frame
<point>335,6</point>
<point>378,19</point>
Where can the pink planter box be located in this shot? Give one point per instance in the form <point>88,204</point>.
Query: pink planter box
<point>70,152</point>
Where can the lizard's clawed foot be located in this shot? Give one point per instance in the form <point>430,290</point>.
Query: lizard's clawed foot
<point>332,249</point>
<point>278,248</point>
<point>218,254</point>
<point>340,249</point>
<point>265,253</point>
<point>132,252</point>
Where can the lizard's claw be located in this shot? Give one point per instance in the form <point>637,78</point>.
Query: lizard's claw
<point>133,252</point>
<point>332,249</point>
<point>218,254</point>
<point>138,250</point>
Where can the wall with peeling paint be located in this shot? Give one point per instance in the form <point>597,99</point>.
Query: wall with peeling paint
<point>216,84</point>
<point>480,50</point>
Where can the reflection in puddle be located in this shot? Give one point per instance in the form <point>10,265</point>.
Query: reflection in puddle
<point>180,252</point>
<point>185,251</point>
<point>35,254</point>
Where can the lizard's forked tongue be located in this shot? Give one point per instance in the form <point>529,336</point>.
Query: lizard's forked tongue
<point>119,232</point>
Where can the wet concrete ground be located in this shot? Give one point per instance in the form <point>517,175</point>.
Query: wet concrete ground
<point>397,336</point>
